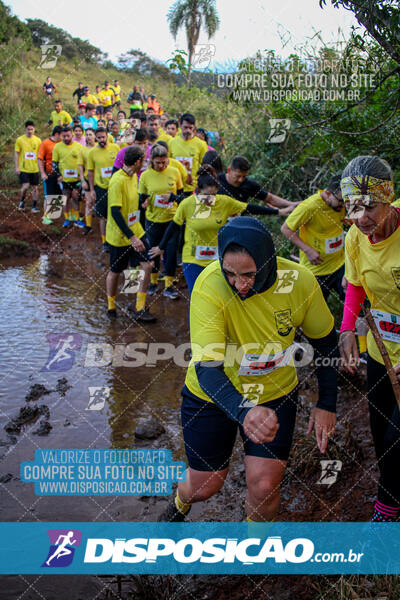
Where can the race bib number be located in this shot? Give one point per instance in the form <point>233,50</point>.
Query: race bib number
<point>206,252</point>
<point>106,171</point>
<point>133,217</point>
<point>162,201</point>
<point>30,155</point>
<point>335,244</point>
<point>186,161</point>
<point>262,364</point>
<point>68,173</point>
<point>388,325</point>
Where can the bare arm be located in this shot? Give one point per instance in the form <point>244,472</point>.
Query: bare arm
<point>16,157</point>
<point>41,169</point>
<point>312,255</point>
<point>91,179</point>
<point>279,202</point>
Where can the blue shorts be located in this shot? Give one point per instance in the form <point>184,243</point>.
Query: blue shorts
<point>209,433</point>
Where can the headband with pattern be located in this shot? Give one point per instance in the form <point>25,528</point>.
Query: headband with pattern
<point>382,190</point>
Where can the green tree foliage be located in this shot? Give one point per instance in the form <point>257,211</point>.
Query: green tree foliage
<point>138,62</point>
<point>72,47</point>
<point>192,15</point>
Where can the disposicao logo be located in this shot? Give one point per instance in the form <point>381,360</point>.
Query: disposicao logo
<point>63,543</point>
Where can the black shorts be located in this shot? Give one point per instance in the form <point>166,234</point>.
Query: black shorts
<point>51,187</point>
<point>332,282</point>
<point>123,256</point>
<point>209,433</point>
<point>99,109</point>
<point>31,178</point>
<point>101,201</point>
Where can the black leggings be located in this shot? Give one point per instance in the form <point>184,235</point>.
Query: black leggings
<point>155,232</point>
<point>385,429</point>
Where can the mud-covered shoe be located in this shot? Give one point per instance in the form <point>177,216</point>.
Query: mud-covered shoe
<point>141,315</point>
<point>151,290</point>
<point>171,292</point>
<point>171,514</point>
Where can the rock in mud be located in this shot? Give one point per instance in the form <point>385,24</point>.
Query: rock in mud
<point>44,428</point>
<point>149,429</point>
<point>26,414</point>
<point>62,385</point>
<point>36,391</point>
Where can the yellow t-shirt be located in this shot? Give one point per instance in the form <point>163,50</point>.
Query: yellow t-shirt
<point>156,184</point>
<point>83,158</point>
<point>101,161</point>
<point>105,97</point>
<point>90,99</point>
<point>190,153</point>
<point>396,203</point>
<point>67,158</point>
<point>321,228</point>
<point>376,267</point>
<point>175,163</point>
<point>202,226</point>
<point>27,149</point>
<point>123,192</point>
<point>61,118</point>
<point>164,137</point>
<point>117,92</point>
<point>221,324</point>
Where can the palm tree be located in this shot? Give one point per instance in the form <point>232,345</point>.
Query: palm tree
<point>192,15</point>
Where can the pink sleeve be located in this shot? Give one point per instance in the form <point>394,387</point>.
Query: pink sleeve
<point>119,159</point>
<point>355,296</point>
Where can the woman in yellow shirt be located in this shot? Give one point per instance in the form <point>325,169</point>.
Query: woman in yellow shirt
<point>373,269</point>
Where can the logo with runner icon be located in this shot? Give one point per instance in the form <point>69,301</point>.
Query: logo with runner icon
<point>286,280</point>
<point>63,543</point>
<point>50,54</point>
<point>55,205</point>
<point>63,347</point>
<point>203,55</point>
<point>98,397</point>
<point>251,393</point>
<point>279,130</point>
<point>330,471</point>
<point>133,279</point>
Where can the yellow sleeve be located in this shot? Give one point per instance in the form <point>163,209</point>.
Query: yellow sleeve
<point>68,117</point>
<point>115,193</point>
<point>182,171</point>
<point>318,320</point>
<point>207,325</point>
<point>90,161</point>
<point>17,145</point>
<point>203,150</point>
<point>350,257</point>
<point>301,214</point>
<point>81,160</point>
<point>233,207</point>
<point>179,182</point>
<point>180,215</point>
<point>55,157</point>
<point>142,185</point>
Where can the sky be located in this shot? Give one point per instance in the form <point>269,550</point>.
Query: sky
<point>261,24</point>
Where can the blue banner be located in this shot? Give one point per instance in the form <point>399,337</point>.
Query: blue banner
<point>196,548</point>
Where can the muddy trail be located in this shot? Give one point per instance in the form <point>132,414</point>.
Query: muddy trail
<point>57,286</point>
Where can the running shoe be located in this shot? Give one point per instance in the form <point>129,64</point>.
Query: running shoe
<point>141,315</point>
<point>171,514</point>
<point>161,276</point>
<point>79,223</point>
<point>46,221</point>
<point>35,209</point>
<point>21,205</point>
<point>67,223</point>
<point>105,247</point>
<point>151,290</point>
<point>87,230</point>
<point>112,314</point>
<point>171,292</point>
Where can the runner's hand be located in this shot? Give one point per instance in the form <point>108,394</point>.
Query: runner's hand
<point>189,180</point>
<point>324,423</point>
<point>145,203</point>
<point>155,251</point>
<point>137,244</point>
<point>44,177</point>
<point>284,212</point>
<point>17,171</point>
<point>261,424</point>
<point>349,351</point>
<point>313,256</point>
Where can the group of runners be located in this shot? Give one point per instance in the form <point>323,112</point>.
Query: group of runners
<point>162,196</point>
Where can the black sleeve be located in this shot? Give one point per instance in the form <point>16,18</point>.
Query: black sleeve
<point>142,198</point>
<point>114,170</point>
<point>120,221</point>
<point>169,232</point>
<point>256,190</point>
<point>75,92</point>
<point>214,382</point>
<point>259,209</point>
<point>326,347</point>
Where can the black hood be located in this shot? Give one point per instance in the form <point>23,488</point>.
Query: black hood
<point>253,235</point>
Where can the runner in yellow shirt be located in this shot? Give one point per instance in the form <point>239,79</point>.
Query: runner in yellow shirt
<point>153,125</point>
<point>83,174</point>
<point>100,166</point>
<point>242,376</point>
<point>106,96</point>
<point>125,235</point>
<point>373,269</point>
<point>319,219</point>
<point>160,187</point>
<point>25,163</point>
<point>88,97</point>
<point>189,150</point>
<point>65,166</point>
<point>59,116</point>
<point>204,213</point>
<point>116,88</point>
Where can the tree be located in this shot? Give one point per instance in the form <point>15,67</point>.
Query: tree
<point>138,62</point>
<point>192,15</point>
<point>381,19</point>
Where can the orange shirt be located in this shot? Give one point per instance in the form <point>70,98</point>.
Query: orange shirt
<point>45,153</point>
